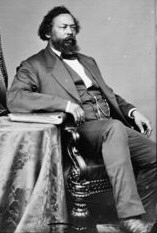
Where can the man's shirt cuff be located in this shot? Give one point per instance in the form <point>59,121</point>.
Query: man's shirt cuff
<point>130,112</point>
<point>68,106</point>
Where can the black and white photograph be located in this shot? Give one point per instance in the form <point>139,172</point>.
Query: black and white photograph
<point>78,116</point>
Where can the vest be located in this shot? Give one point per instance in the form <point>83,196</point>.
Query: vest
<point>93,101</point>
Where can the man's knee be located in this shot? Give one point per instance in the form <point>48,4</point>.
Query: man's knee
<point>116,134</point>
<point>118,128</point>
<point>116,124</point>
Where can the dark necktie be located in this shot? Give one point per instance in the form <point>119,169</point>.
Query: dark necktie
<point>71,56</point>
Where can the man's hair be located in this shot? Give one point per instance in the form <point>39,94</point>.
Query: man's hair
<point>47,23</point>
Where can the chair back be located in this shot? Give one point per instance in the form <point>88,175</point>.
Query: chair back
<point>3,82</point>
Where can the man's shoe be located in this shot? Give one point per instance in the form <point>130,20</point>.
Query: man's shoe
<point>133,225</point>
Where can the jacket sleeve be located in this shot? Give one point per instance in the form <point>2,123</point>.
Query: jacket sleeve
<point>24,94</point>
<point>124,106</point>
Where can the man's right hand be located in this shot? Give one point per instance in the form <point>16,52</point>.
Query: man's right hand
<point>77,112</point>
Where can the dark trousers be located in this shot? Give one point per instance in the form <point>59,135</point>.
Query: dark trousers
<point>122,147</point>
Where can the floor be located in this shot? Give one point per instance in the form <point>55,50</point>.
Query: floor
<point>104,217</point>
<point>110,229</point>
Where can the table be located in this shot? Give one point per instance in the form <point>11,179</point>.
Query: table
<point>32,192</point>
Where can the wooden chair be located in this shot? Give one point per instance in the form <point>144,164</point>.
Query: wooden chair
<point>83,179</point>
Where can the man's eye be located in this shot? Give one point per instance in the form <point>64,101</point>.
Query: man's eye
<point>63,27</point>
<point>73,27</point>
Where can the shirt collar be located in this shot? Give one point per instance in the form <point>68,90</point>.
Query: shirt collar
<point>58,53</point>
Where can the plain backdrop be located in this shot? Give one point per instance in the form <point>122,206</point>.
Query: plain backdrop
<point>119,34</point>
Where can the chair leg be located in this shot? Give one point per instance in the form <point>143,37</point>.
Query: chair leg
<point>80,202</point>
<point>79,213</point>
<point>80,217</point>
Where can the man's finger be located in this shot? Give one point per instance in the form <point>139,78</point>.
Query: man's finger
<point>148,132</point>
<point>149,126</point>
<point>139,124</point>
<point>148,129</point>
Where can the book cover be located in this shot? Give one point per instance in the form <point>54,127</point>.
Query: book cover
<point>47,118</point>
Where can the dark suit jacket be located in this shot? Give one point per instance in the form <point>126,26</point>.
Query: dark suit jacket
<point>43,83</point>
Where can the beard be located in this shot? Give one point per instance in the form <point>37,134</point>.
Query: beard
<point>66,46</point>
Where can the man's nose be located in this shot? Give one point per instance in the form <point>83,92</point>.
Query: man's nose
<point>69,30</point>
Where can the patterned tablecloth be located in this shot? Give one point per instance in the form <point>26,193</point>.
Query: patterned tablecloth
<point>32,193</point>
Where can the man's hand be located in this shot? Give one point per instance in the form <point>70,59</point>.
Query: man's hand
<point>142,122</point>
<point>77,112</point>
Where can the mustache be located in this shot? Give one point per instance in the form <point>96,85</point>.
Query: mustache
<point>70,38</point>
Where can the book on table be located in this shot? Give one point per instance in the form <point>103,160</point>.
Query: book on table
<point>56,118</point>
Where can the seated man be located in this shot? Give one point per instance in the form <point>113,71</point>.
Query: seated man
<point>59,78</point>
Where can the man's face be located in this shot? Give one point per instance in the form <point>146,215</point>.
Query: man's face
<point>63,34</point>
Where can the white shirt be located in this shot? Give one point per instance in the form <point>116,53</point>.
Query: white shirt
<point>78,68</point>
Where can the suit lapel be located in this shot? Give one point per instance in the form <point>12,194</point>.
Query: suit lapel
<point>97,77</point>
<point>60,73</point>
<point>92,68</point>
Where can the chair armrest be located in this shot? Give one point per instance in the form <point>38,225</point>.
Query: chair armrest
<point>73,150</point>
<point>3,111</point>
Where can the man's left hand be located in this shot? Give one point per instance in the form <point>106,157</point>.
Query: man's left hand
<point>142,122</point>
